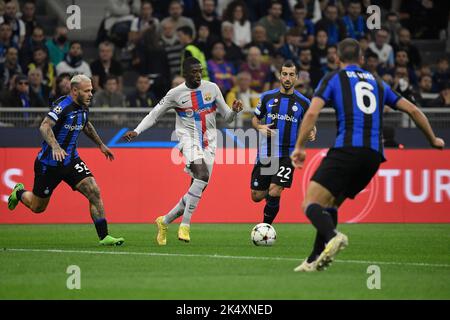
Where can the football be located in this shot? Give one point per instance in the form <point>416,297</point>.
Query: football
<point>263,234</point>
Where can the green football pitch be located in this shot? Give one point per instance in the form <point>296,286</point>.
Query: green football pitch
<point>413,262</point>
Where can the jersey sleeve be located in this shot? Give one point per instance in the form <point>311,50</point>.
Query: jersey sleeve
<point>261,109</point>
<point>162,107</point>
<point>325,88</point>
<point>226,112</point>
<point>58,112</point>
<point>391,96</point>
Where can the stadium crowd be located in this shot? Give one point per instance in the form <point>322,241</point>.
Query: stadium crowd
<point>240,43</point>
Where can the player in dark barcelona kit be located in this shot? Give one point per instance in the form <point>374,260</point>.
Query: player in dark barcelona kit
<point>58,160</point>
<point>358,98</point>
<point>282,111</point>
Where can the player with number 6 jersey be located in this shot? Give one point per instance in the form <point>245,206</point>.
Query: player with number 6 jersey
<point>58,160</point>
<point>277,118</point>
<point>358,98</point>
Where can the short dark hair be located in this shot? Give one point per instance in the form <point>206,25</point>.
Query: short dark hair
<point>189,62</point>
<point>186,30</point>
<point>349,50</point>
<point>289,64</point>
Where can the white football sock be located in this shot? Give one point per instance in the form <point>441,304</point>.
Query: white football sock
<point>192,198</point>
<point>176,211</point>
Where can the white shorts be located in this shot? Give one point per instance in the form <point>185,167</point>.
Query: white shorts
<point>195,154</point>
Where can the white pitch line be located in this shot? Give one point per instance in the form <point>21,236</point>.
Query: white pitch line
<point>414,264</point>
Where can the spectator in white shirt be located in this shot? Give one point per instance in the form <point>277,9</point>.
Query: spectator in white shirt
<point>73,63</point>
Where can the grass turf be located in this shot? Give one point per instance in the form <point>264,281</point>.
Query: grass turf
<point>222,263</point>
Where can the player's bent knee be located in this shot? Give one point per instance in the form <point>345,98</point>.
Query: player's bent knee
<point>258,196</point>
<point>38,209</point>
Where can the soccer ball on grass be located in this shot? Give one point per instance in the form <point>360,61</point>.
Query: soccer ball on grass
<point>263,234</point>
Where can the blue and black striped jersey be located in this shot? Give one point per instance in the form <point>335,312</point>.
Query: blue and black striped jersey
<point>70,120</point>
<point>359,98</point>
<point>286,113</point>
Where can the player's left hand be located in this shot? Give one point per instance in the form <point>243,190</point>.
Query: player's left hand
<point>107,152</point>
<point>237,106</point>
<point>298,158</point>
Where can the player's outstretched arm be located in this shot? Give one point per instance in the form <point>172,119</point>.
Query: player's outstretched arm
<point>308,125</point>
<point>92,134</point>
<point>263,128</point>
<point>47,133</point>
<point>421,121</point>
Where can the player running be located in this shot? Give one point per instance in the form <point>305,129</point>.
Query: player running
<point>196,103</point>
<point>282,110</point>
<point>358,98</point>
<point>59,161</point>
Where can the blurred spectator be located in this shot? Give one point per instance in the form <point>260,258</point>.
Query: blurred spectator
<point>220,71</point>
<point>172,47</point>
<point>423,70</point>
<point>313,10</point>
<point>205,40</point>
<point>17,25</point>
<point>237,14</point>
<point>142,97</point>
<point>401,59</point>
<point>402,83</point>
<point>37,86</point>
<point>393,26</point>
<point>274,24</point>
<point>290,49</point>
<point>141,23</point>
<point>354,21</point>
<point>424,93</point>
<point>20,95</point>
<point>73,62</point>
<point>152,62</point>
<point>36,40</point>
<point>105,65</point>
<point>442,75</point>
<point>315,74</point>
<point>40,61</point>
<point>62,87</point>
<point>233,53</point>
<point>190,50</point>
<point>2,7</point>
<point>5,40</point>
<point>331,64</point>
<point>364,44</point>
<point>111,96</point>
<point>443,101</point>
<point>304,27</point>
<point>249,97</point>
<point>303,84</point>
<point>259,40</point>
<point>332,25</point>
<point>9,68</point>
<point>58,46</point>
<point>425,18</point>
<point>175,15</point>
<point>28,17</point>
<point>382,49</point>
<point>404,43</point>
<point>176,81</point>
<point>371,63</point>
<point>259,70</point>
<point>319,49</point>
<point>208,17</point>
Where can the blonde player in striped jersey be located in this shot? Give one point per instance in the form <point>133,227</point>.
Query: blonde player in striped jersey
<point>196,102</point>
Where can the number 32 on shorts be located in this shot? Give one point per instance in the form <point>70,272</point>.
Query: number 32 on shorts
<point>81,166</point>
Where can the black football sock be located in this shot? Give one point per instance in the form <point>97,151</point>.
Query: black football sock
<point>271,209</point>
<point>102,228</point>
<point>19,194</point>
<point>319,242</point>
<point>321,220</point>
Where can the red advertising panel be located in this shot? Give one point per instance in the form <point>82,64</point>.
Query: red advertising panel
<point>412,186</point>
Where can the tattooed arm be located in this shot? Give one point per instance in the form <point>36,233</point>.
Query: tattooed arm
<point>92,134</point>
<point>47,133</point>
